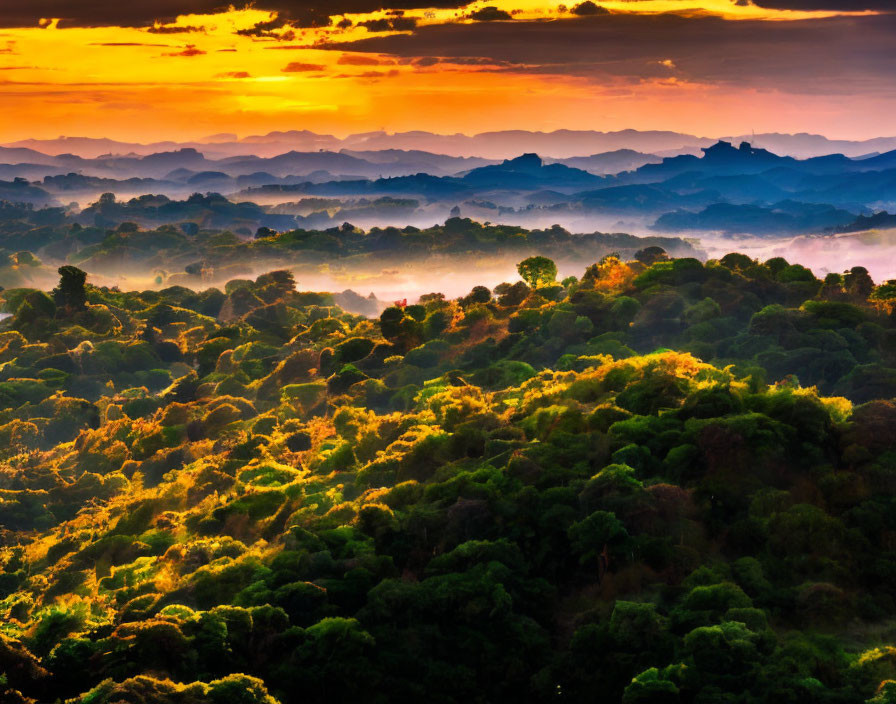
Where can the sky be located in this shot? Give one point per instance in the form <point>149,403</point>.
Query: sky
<point>188,69</point>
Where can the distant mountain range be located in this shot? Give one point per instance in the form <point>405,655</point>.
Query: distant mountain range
<point>525,173</point>
<point>729,188</point>
<point>186,171</point>
<point>16,161</point>
<point>786,217</point>
<point>488,145</point>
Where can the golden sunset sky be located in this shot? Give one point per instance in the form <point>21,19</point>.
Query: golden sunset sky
<point>185,70</point>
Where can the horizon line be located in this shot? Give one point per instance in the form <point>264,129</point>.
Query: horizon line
<point>237,138</point>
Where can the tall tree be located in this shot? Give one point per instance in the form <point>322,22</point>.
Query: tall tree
<point>71,295</point>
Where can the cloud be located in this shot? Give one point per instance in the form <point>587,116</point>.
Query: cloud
<point>127,44</point>
<point>835,5</point>
<point>370,74</point>
<point>173,29</point>
<point>189,50</point>
<point>378,74</point>
<point>102,13</point>
<point>270,27</point>
<point>298,13</point>
<point>390,24</point>
<point>234,74</point>
<point>108,13</point>
<point>458,63</point>
<point>838,55</point>
<point>490,14</point>
<point>358,60</point>
<point>299,67</point>
<point>584,9</point>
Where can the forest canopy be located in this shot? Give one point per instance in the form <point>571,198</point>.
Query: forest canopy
<point>661,480</point>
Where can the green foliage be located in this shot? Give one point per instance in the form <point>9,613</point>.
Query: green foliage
<point>250,495</point>
<point>537,271</point>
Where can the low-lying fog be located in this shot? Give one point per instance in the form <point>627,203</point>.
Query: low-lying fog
<point>455,276</point>
<point>874,249</point>
<point>452,277</point>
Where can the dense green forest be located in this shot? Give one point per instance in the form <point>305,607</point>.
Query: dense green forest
<point>660,481</point>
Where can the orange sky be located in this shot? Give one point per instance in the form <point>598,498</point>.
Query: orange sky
<point>198,77</point>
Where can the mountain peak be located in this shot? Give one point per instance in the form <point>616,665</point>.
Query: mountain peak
<point>719,148</point>
<point>723,151</point>
<point>526,161</point>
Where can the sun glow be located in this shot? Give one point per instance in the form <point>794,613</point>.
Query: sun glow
<point>247,70</point>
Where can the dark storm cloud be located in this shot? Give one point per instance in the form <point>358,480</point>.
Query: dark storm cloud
<point>391,24</point>
<point>835,55</point>
<point>101,13</point>
<point>97,13</point>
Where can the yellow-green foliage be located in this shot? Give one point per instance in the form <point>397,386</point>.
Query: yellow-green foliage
<point>527,496</point>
